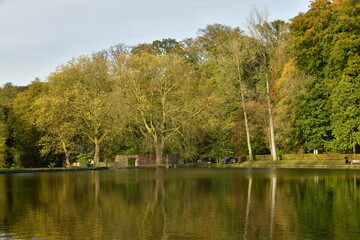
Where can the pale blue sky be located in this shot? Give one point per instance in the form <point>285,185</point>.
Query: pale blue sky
<point>36,36</point>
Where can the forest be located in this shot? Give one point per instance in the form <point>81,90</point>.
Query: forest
<point>273,88</point>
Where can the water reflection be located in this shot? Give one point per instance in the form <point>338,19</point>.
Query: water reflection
<point>273,202</point>
<point>247,214</point>
<point>181,204</point>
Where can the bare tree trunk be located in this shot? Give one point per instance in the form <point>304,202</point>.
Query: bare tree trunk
<point>247,127</point>
<point>271,121</point>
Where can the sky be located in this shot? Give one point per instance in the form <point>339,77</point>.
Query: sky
<point>36,36</point>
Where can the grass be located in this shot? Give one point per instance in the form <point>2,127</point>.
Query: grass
<point>298,164</point>
<point>294,162</point>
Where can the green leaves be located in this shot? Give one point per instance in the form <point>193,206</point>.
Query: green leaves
<point>345,116</point>
<point>326,45</point>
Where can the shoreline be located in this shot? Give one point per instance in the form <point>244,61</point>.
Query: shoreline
<point>299,166</point>
<point>38,170</point>
<point>314,164</point>
<point>240,165</point>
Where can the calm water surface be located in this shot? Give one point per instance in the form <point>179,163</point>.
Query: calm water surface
<point>181,204</point>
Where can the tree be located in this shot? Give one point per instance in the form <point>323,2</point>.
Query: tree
<point>79,103</point>
<point>220,144</point>
<point>286,91</point>
<point>7,139</point>
<point>312,124</point>
<point>157,47</point>
<point>213,36</point>
<point>257,118</point>
<point>325,44</point>
<point>23,128</point>
<point>237,65</point>
<point>270,47</point>
<point>55,116</point>
<point>162,96</point>
<point>113,52</point>
<point>94,101</point>
<point>345,115</point>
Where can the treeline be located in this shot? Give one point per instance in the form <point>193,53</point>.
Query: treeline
<point>273,88</point>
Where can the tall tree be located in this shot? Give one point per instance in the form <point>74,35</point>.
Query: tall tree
<point>162,95</point>
<point>238,65</point>
<point>287,89</point>
<point>26,134</point>
<point>312,124</point>
<point>54,115</point>
<point>94,101</point>
<point>325,44</point>
<point>345,116</point>
<point>80,102</point>
<point>270,47</point>
<point>8,93</point>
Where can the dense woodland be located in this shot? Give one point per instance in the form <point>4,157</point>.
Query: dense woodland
<point>272,88</point>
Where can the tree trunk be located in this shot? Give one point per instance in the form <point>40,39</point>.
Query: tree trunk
<point>159,151</point>
<point>271,122</point>
<point>247,127</point>
<point>67,154</point>
<point>354,148</point>
<point>97,151</point>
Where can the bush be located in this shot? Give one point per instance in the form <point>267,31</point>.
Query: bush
<point>84,157</point>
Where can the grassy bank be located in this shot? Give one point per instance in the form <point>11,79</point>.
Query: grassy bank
<point>294,162</point>
<point>299,164</point>
<point>246,164</point>
<point>286,164</point>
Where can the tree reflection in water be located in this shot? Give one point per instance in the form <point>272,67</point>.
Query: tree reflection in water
<point>181,204</point>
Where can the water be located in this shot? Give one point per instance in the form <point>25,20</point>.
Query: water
<point>181,204</point>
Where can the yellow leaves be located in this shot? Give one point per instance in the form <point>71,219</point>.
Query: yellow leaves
<point>310,32</point>
<point>289,81</point>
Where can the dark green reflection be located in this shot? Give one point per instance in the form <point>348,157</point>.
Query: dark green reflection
<point>181,204</point>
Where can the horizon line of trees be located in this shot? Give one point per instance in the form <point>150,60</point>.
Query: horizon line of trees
<point>276,88</point>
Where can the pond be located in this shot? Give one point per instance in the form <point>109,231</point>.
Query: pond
<point>181,203</point>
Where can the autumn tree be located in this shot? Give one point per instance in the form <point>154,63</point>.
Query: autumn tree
<point>79,102</point>
<point>237,64</point>
<point>54,115</point>
<point>26,150</point>
<point>287,90</point>
<point>158,47</point>
<point>8,93</point>
<point>94,102</point>
<point>325,44</point>
<point>270,46</point>
<point>162,96</point>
